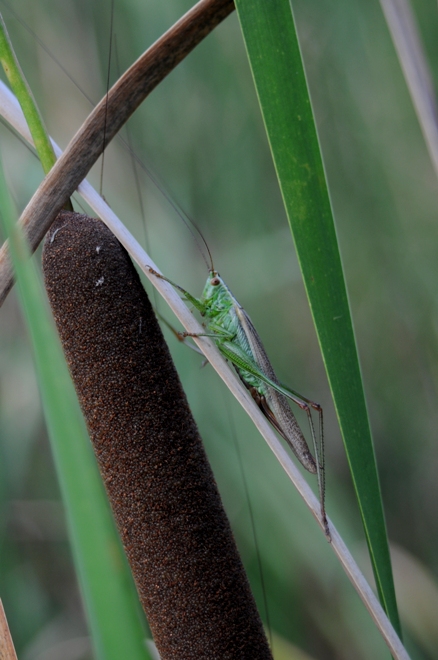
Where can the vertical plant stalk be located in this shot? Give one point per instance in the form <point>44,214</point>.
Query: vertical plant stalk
<point>175,532</point>
<point>107,119</point>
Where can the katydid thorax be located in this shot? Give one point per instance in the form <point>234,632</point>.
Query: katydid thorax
<point>230,327</point>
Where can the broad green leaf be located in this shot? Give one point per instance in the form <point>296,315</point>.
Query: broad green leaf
<point>107,587</point>
<point>274,54</point>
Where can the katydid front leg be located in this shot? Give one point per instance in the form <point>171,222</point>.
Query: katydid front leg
<point>188,296</point>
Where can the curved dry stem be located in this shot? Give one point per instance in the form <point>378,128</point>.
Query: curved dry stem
<point>106,120</point>
<point>11,111</point>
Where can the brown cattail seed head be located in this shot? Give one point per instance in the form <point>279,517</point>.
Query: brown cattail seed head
<point>165,501</point>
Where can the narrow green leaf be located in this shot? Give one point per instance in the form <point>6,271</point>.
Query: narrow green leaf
<point>109,594</point>
<point>274,54</point>
<point>22,91</point>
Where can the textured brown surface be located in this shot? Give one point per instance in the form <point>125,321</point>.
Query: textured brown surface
<point>162,491</point>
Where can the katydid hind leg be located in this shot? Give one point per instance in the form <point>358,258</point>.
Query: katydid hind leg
<point>318,446</point>
<point>305,404</point>
<point>316,406</point>
<point>320,465</point>
<point>241,361</point>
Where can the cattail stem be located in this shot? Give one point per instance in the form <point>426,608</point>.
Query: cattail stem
<point>175,532</point>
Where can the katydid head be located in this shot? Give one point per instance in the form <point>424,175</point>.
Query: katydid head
<point>213,286</point>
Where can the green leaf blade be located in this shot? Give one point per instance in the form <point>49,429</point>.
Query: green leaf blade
<point>275,59</point>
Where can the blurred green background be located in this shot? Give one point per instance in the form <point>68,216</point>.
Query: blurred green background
<point>202,134</point>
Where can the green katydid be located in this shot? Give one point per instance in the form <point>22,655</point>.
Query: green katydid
<point>230,327</point>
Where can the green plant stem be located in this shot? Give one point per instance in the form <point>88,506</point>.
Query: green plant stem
<point>28,104</point>
<point>23,93</point>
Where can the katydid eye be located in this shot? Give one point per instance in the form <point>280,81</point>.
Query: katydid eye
<point>215,281</point>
